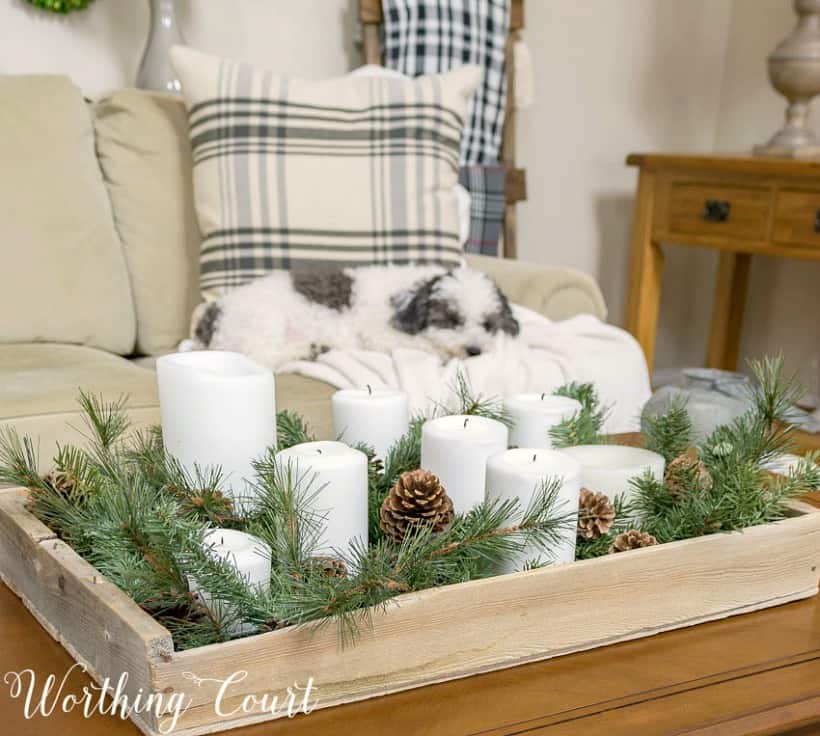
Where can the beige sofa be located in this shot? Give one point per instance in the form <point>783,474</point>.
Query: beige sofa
<point>98,257</point>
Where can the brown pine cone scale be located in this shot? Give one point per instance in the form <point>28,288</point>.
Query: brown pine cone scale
<point>417,497</point>
<point>686,473</point>
<point>62,482</point>
<point>595,514</point>
<point>632,539</point>
<point>331,567</point>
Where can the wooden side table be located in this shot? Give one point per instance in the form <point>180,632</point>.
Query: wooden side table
<point>738,205</point>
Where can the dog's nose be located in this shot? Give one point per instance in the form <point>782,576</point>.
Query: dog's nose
<point>472,350</point>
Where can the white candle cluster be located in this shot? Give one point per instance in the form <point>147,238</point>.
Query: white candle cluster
<point>219,408</point>
<point>469,455</point>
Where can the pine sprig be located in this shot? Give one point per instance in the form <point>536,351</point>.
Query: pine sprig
<point>585,426</point>
<point>291,429</point>
<point>467,401</point>
<point>284,518</point>
<point>668,433</point>
<point>740,493</point>
<point>107,421</point>
<point>473,547</point>
<point>19,459</point>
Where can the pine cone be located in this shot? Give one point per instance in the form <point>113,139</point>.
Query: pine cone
<point>330,567</point>
<point>595,514</point>
<point>632,539</point>
<point>416,498</point>
<point>62,482</point>
<point>686,473</point>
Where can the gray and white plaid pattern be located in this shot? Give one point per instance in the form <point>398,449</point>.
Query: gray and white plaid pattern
<point>346,172</point>
<point>434,36</point>
<point>487,187</point>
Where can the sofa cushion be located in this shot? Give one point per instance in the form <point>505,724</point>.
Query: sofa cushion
<point>63,270</point>
<point>40,383</point>
<point>350,171</point>
<point>145,156</point>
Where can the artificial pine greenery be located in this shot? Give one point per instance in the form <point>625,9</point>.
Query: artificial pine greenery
<point>720,485</point>
<point>469,402</point>
<point>134,513</point>
<point>670,433</point>
<point>740,492</point>
<point>584,427</point>
<point>291,429</point>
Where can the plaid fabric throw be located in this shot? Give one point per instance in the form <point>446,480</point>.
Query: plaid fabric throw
<point>348,172</point>
<point>434,36</point>
<point>486,185</point>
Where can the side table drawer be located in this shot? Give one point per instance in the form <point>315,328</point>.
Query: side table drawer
<point>797,218</point>
<point>713,209</point>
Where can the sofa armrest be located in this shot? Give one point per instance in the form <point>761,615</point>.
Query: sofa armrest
<point>557,293</point>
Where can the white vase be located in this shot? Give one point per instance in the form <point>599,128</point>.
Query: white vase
<point>156,71</point>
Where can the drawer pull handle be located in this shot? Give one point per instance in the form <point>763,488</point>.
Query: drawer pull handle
<point>716,210</point>
<point>817,221</point>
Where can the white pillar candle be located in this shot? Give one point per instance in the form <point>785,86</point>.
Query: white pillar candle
<point>456,449</point>
<point>248,555</point>
<point>519,474</point>
<point>532,416</point>
<point>217,409</point>
<point>338,482</point>
<point>375,417</point>
<point>608,468</point>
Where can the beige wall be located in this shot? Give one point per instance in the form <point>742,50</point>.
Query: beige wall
<point>614,76</point>
<point>611,76</point>
<point>783,308</point>
<point>100,47</point>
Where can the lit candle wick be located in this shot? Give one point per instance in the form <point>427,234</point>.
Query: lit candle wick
<point>466,419</point>
<point>369,389</point>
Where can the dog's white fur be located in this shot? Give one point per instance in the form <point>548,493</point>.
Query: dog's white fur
<point>274,324</point>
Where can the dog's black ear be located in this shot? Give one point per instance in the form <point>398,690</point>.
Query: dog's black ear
<point>506,321</point>
<point>207,324</point>
<point>411,308</point>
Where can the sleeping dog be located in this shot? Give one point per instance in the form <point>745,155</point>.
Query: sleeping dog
<point>296,315</point>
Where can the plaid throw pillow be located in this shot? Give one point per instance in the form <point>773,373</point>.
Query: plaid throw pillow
<point>434,36</point>
<point>347,172</point>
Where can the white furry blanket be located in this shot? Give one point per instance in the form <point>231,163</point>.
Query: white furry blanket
<point>551,353</point>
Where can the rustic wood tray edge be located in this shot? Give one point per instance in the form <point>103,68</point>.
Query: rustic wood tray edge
<point>443,634</point>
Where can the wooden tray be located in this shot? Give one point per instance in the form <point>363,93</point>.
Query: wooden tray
<point>430,636</point>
